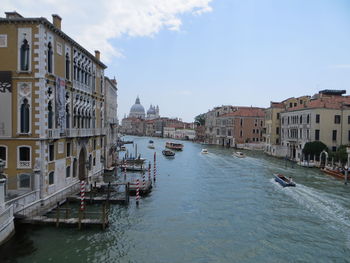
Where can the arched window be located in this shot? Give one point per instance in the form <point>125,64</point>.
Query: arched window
<point>67,117</point>
<point>51,178</point>
<point>67,66</point>
<point>50,115</point>
<point>49,57</point>
<point>24,160</point>
<point>24,123</point>
<point>301,119</point>
<point>75,167</point>
<point>308,119</point>
<point>75,72</point>
<point>3,154</point>
<point>24,57</point>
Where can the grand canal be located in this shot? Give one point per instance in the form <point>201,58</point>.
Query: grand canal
<point>209,208</point>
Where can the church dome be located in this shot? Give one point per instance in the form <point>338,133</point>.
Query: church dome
<point>137,110</point>
<point>151,110</point>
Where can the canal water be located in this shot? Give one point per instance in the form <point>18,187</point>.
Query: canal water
<point>208,208</point>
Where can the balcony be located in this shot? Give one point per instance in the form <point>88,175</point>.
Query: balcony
<point>24,165</point>
<point>82,87</point>
<point>56,134</point>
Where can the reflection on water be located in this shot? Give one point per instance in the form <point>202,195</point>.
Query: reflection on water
<point>209,208</point>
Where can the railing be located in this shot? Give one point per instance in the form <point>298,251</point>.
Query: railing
<point>53,133</point>
<point>81,86</point>
<point>24,164</point>
<point>21,202</point>
<point>5,216</point>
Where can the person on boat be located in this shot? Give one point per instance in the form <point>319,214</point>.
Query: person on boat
<point>290,179</point>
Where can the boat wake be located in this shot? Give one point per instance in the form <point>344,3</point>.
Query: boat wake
<point>323,206</point>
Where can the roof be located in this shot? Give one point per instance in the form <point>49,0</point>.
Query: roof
<point>332,102</point>
<point>44,21</point>
<point>246,112</point>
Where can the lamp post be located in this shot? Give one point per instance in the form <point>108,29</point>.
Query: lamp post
<point>2,184</point>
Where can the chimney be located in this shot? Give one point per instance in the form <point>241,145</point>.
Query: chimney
<point>97,54</point>
<point>12,15</point>
<point>56,20</point>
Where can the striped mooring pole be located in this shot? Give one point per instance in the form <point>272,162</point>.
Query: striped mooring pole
<point>154,167</point>
<point>149,172</point>
<point>82,195</point>
<point>137,191</point>
<point>143,180</point>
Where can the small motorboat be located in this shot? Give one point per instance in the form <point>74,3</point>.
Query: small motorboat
<point>122,148</point>
<point>284,181</point>
<point>307,164</point>
<point>151,144</point>
<point>168,153</point>
<point>239,154</point>
<point>204,151</point>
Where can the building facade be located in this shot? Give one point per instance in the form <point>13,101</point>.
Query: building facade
<point>52,90</point>
<point>111,123</point>
<point>325,117</point>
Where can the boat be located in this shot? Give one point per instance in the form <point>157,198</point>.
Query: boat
<point>284,181</point>
<point>204,151</point>
<point>335,173</point>
<point>151,144</point>
<point>239,154</point>
<point>307,164</point>
<point>134,168</point>
<point>168,153</point>
<point>174,146</point>
<point>122,148</point>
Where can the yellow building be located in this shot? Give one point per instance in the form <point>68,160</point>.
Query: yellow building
<point>325,117</point>
<point>51,106</point>
<point>272,131</point>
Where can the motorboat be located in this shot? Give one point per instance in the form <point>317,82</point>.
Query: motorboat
<point>239,154</point>
<point>122,148</point>
<point>338,173</point>
<point>204,151</point>
<point>309,164</point>
<point>174,146</point>
<point>168,153</point>
<point>284,181</point>
<point>151,144</point>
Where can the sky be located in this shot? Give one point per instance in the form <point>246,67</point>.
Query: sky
<point>188,56</point>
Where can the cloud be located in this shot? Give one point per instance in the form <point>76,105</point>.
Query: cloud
<point>95,23</point>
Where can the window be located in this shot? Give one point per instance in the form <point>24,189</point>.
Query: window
<point>295,104</point>
<point>349,135</point>
<point>308,119</point>
<point>348,119</point>
<point>300,102</point>
<point>50,115</point>
<point>94,161</point>
<point>334,148</point>
<point>67,171</point>
<point>68,149</point>
<point>301,119</point>
<point>217,133</point>
<point>90,162</point>
<point>282,120</point>
<point>24,180</point>
<point>253,130</point>
<point>24,124</point>
<point>75,163</point>
<point>278,116</point>
<point>241,122</point>
<point>317,118</point>
<point>3,154</point>
<point>49,57</point>
<point>67,67</point>
<point>51,178</point>
<point>300,133</point>
<point>277,130</point>
<point>51,152</point>
<point>24,157</point>
<point>334,135</point>
<point>317,135</point>
<point>288,120</point>
<point>24,55</point>
<point>277,141</point>
<point>101,142</point>
<point>241,133</point>
<point>290,105</point>
<point>337,119</point>
<point>67,117</point>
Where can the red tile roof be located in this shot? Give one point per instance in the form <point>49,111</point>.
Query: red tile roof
<point>246,112</point>
<point>331,102</point>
